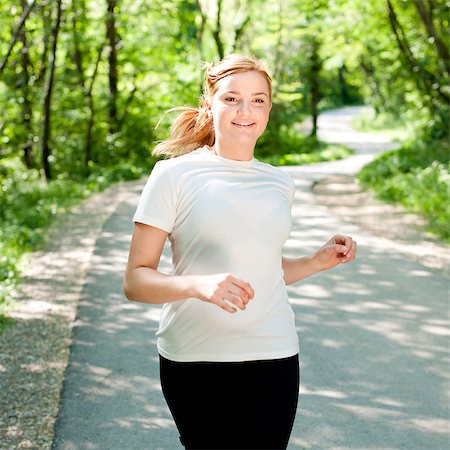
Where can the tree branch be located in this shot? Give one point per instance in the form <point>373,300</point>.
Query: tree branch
<point>216,32</point>
<point>47,97</point>
<point>16,34</point>
<point>128,101</point>
<point>423,78</point>
<point>426,18</point>
<point>240,31</point>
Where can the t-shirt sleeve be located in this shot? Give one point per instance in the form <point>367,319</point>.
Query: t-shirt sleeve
<point>157,203</point>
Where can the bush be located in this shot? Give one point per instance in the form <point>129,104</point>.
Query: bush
<point>288,146</point>
<point>319,154</point>
<point>416,176</point>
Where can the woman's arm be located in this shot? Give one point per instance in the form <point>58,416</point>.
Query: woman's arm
<point>339,249</point>
<point>144,283</point>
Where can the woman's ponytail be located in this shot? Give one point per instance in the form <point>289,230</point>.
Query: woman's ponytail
<point>192,129</point>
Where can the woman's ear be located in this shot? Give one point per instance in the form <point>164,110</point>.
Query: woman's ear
<point>205,102</point>
<point>207,105</point>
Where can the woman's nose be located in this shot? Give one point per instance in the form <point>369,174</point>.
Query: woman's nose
<point>244,107</point>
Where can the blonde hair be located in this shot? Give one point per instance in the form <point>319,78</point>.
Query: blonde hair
<point>193,128</point>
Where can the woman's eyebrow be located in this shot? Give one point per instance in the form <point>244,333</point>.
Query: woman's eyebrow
<point>238,93</point>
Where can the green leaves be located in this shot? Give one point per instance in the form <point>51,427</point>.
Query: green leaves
<point>418,177</point>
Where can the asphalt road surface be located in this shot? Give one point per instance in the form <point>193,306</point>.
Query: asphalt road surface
<point>374,338</point>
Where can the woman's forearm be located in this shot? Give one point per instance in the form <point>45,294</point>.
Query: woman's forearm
<point>339,249</point>
<point>296,269</point>
<point>147,285</point>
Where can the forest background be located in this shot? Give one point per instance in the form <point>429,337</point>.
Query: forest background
<point>83,84</point>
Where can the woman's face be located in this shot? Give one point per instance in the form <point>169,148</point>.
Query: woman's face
<point>240,108</point>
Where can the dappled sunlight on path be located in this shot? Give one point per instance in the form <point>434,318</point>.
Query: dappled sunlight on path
<point>112,397</point>
<point>374,342</point>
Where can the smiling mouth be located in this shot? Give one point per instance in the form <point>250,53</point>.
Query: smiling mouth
<point>243,124</point>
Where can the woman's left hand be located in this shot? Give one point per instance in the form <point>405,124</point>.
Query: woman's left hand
<point>339,249</point>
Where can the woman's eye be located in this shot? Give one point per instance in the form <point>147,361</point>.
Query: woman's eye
<point>230,99</point>
<point>259,100</point>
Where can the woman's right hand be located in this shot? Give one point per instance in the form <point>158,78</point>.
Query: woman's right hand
<point>222,288</point>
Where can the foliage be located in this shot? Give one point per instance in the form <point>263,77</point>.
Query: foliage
<point>416,176</point>
<point>390,125</point>
<point>290,147</point>
<point>160,49</point>
<point>329,153</point>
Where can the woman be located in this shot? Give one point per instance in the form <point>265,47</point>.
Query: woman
<point>227,339</point>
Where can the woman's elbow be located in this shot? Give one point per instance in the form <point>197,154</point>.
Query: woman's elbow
<point>131,284</point>
<point>126,289</point>
<point>129,288</point>
<point>134,293</point>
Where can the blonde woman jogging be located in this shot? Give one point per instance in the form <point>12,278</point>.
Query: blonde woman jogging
<point>227,339</point>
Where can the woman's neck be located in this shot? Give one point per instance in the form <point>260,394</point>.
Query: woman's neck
<point>235,151</point>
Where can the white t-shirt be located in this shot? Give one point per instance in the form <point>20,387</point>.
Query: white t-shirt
<point>223,215</point>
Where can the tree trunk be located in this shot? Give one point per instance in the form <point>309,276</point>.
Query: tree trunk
<point>111,35</point>
<point>345,96</point>
<point>88,148</point>
<point>422,77</point>
<point>16,34</point>
<point>77,54</point>
<point>127,103</point>
<point>314,82</point>
<point>218,30</point>
<point>425,16</point>
<point>369,71</point>
<point>26,104</point>
<point>278,59</point>
<point>48,96</point>
<point>199,39</point>
<point>240,31</point>
<point>87,90</point>
<point>46,18</point>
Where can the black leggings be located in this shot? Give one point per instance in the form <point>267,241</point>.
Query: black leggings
<point>232,405</point>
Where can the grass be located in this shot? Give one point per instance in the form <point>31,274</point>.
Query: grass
<point>288,147</point>
<point>393,127</point>
<point>417,176</point>
<point>319,153</point>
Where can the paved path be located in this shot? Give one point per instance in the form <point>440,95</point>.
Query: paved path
<point>373,334</point>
